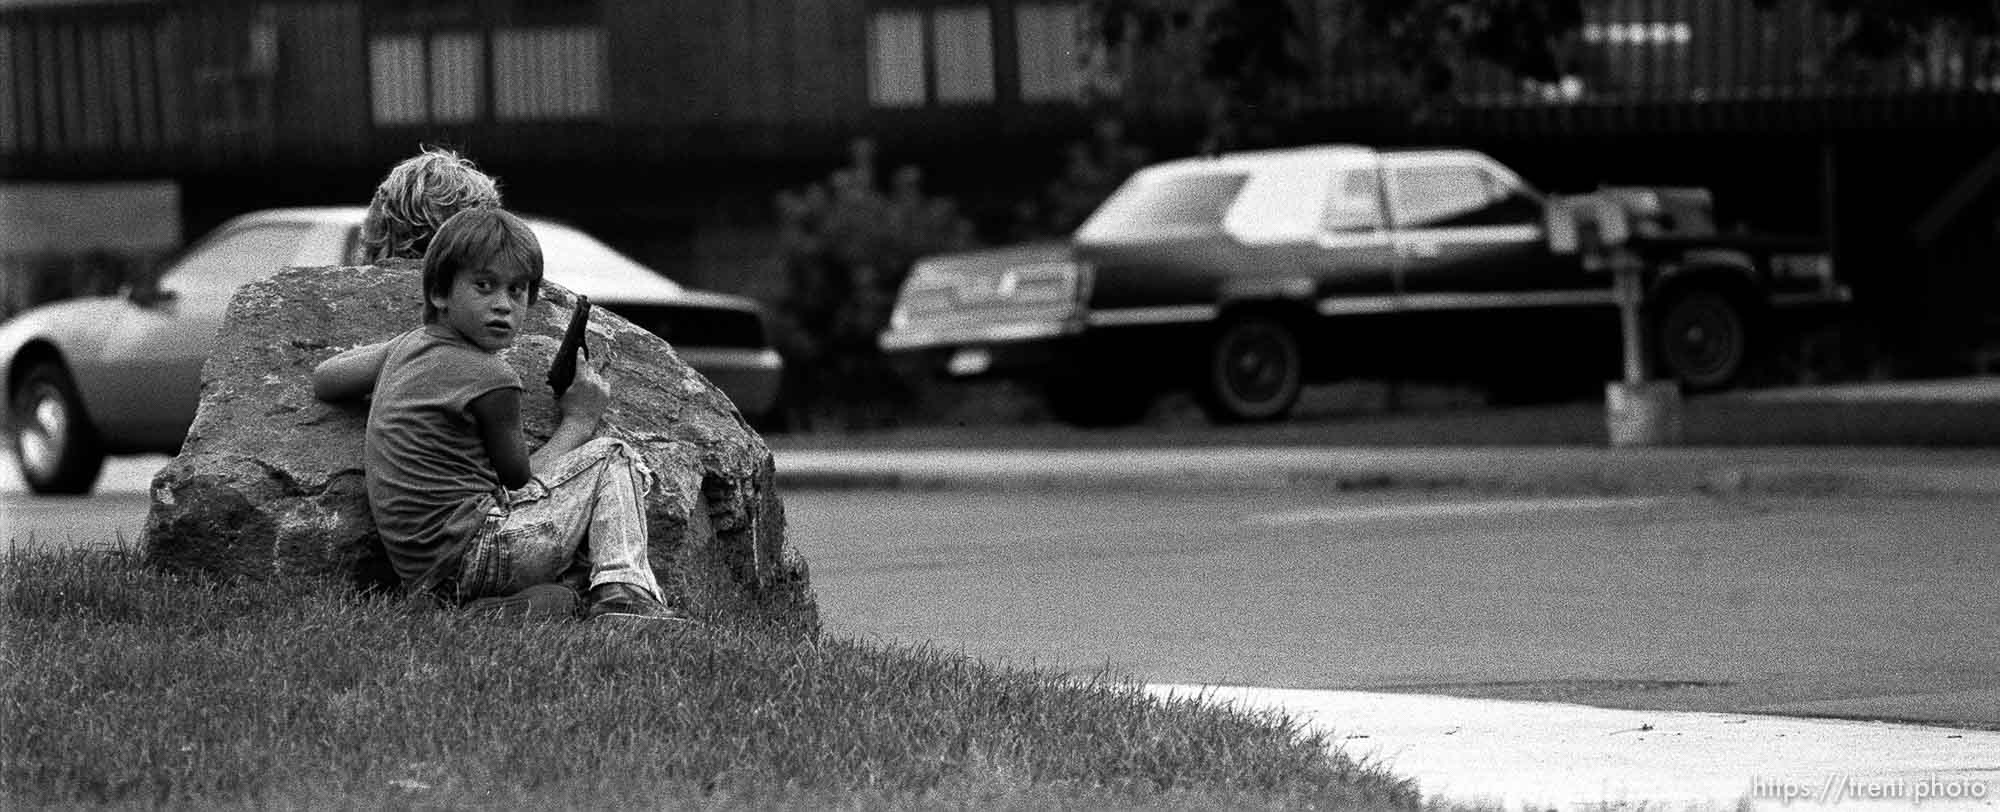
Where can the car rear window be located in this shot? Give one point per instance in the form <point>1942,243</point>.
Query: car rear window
<point>1151,204</point>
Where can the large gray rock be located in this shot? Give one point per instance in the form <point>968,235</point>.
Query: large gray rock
<point>269,481</point>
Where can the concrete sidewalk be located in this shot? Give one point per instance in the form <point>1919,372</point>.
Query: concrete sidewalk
<point>1530,755</point>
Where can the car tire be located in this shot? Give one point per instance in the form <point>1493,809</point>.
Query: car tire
<point>1098,402</point>
<point>1253,372</point>
<point>1702,339</point>
<point>54,444</point>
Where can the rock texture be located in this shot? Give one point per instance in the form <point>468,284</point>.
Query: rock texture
<point>269,480</point>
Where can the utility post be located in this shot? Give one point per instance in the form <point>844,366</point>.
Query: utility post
<point>1638,411</point>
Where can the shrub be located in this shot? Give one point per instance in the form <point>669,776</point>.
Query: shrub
<point>846,244</point>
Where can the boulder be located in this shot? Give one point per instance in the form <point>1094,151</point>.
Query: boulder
<point>269,480</point>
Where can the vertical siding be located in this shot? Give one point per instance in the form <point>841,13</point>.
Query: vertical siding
<point>706,66</point>
<point>816,56</point>
<point>10,115</point>
<point>322,92</point>
<point>174,92</point>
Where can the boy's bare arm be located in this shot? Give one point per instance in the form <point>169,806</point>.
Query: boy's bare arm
<point>582,407</point>
<point>349,375</point>
<point>499,416</point>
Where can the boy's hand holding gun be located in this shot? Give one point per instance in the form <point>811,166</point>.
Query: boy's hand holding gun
<point>580,391</point>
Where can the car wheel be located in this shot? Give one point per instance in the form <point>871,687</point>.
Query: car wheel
<point>1702,340</point>
<point>1098,403</point>
<point>54,444</point>
<point>1254,372</point>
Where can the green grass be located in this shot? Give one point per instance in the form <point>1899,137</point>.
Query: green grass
<point>124,686</point>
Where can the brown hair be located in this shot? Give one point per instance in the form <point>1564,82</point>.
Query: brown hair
<point>475,238</point>
<point>416,199</point>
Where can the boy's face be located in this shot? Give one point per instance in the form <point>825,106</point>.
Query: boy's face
<point>486,304</point>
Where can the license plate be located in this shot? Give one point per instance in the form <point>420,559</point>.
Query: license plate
<point>969,362</point>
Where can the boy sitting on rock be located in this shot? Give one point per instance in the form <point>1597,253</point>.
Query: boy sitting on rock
<point>466,513</point>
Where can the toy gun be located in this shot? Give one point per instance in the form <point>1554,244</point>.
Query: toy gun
<point>562,371</point>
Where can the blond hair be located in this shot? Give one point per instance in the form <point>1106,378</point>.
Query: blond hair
<point>417,197</point>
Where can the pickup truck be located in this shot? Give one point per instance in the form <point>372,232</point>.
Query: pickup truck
<point>1248,275</point>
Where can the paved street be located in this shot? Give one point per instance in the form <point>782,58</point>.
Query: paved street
<point>1648,598</point>
<point>1863,607</point>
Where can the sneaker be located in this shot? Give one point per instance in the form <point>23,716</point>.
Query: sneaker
<point>538,601</point>
<point>625,601</point>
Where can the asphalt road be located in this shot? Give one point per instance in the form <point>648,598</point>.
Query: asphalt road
<point>1877,608</point>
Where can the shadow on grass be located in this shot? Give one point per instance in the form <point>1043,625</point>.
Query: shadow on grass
<point>127,686</point>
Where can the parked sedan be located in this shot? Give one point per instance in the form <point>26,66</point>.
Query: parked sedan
<point>107,375</point>
<point>1246,276</point>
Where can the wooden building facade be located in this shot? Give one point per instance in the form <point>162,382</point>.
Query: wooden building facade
<point>169,86</point>
<point>665,123</point>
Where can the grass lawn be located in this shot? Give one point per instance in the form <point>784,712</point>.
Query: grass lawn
<point>124,686</point>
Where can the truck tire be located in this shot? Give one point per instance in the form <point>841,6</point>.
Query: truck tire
<point>53,442</point>
<point>1253,372</point>
<point>1098,402</point>
<point>1701,339</point>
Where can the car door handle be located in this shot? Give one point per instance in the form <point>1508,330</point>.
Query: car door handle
<point>1421,249</point>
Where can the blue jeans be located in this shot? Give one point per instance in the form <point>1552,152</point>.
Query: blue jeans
<point>536,532</point>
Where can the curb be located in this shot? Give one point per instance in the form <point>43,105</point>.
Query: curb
<point>1520,472</point>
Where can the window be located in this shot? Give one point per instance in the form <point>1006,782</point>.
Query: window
<point>896,68</point>
<point>427,78</point>
<point>396,80</point>
<point>1463,196</point>
<point>923,56</point>
<point>458,68</point>
<point>1356,203</point>
<point>445,77</point>
<point>1438,196</point>
<point>548,72</point>
<point>1153,204</point>
<point>1046,40</point>
<point>964,55</point>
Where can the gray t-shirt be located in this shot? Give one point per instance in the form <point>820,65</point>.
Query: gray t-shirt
<point>429,479</point>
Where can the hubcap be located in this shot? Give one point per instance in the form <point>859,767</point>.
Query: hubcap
<point>1256,366</point>
<point>43,432</point>
<point>1705,341</point>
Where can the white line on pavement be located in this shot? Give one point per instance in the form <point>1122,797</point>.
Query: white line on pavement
<point>1427,510</point>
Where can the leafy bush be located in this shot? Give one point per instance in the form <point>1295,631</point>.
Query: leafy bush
<point>847,243</point>
<point>1092,169</point>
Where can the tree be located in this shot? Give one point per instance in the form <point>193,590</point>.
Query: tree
<point>847,243</point>
<point>1251,58</point>
<point>1880,30</point>
<point>1431,39</point>
<point>1248,56</point>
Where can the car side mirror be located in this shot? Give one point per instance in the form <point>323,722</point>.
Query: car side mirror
<point>149,294</point>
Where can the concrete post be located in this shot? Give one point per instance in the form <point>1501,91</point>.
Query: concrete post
<point>1637,411</point>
